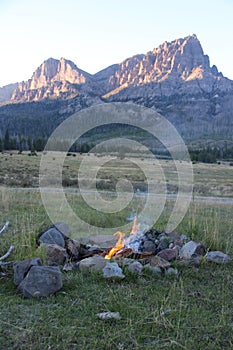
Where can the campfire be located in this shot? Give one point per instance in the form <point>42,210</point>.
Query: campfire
<point>127,246</point>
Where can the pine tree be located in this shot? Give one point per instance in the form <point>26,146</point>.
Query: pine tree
<point>6,142</point>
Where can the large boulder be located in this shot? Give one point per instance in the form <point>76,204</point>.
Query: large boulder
<point>52,236</point>
<point>63,228</point>
<point>21,268</point>
<point>41,281</point>
<point>218,257</point>
<point>191,249</point>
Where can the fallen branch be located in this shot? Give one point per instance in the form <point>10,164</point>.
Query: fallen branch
<point>4,227</point>
<point>7,253</point>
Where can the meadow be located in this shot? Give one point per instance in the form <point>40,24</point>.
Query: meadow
<point>193,310</point>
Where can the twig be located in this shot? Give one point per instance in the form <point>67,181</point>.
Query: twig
<point>4,227</point>
<point>8,253</point>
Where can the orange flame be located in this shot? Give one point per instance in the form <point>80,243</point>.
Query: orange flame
<point>135,226</point>
<point>119,245</point>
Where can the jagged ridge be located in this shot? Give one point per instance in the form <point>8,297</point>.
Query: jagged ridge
<point>176,67</point>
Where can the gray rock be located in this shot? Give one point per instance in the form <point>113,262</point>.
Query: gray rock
<point>159,262</point>
<point>218,257</point>
<point>135,267</point>
<point>63,228</point>
<point>69,267</point>
<point>125,261</point>
<point>113,271</point>
<point>154,269</point>
<point>191,249</point>
<point>94,263</point>
<point>52,236</point>
<point>168,254</point>
<point>56,255</point>
<point>164,243</point>
<point>41,281</point>
<point>72,248</point>
<point>21,268</point>
<point>102,241</point>
<point>149,246</point>
<point>171,272</point>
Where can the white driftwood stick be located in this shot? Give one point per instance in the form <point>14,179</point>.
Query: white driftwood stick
<point>4,227</point>
<point>8,253</point>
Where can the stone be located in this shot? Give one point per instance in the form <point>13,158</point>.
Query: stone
<point>191,249</point>
<point>218,257</point>
<point>149,246</point>
<point>136,267</point>
<point>52,236</point>
<point>158,261</point>
<point>164,243</point>
<point>193,262</point>
<point>102,241</point>
<point>21,268</point>
<point>63,228</point>
<point>168,254</point>
<point>72,248</point>
<point>109,315</point>
<point>69,267</point>
<point>113,271</point>
<point>56,255</point>
<point>41,281</point>
<point>171,272</point>
<point>154,269</point>
<point>94,263</point>
<point>125,261</point>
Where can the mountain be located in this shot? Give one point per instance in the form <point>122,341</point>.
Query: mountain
<point>54,79</point>
<point>175,79</point>
<point>7,91</point>
<point>176,67</point>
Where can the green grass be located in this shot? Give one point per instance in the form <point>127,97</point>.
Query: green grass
<point>199,314</point>
<point>23,171</point>
<point>200,302</point>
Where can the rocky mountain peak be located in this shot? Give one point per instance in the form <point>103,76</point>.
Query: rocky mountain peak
<point>179,66</point>
<point>52,79</point>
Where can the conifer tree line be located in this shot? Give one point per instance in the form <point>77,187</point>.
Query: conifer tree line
<point>37,144</point>
<point>212,155</point>
<point>8,143</point>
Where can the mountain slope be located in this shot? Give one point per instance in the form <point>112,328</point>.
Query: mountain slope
<point>175,79</point>
<point>54,79</point>
<point>6,92</point>
<point>176,67</point>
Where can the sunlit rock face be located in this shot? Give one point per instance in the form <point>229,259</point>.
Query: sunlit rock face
<point>176,67</point>
<point>53,79</point>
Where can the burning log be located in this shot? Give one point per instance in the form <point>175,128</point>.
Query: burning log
<point>119,245</point>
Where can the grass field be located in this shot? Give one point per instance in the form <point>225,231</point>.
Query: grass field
<point>192,311</point>
<point>23,171</point>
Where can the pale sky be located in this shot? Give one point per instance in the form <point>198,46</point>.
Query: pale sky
<point>97,33</point>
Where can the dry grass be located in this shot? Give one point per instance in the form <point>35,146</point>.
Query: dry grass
<point>209,179</point>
